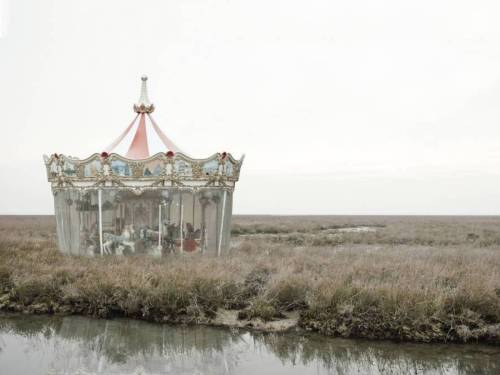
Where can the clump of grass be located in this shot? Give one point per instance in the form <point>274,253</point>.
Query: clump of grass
<point>256,280</point>
<point>261,308</point>
<point>31,291</point>
<point>5,278</point>
<point>289,293</point>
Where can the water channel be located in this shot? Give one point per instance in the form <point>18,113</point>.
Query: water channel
<point>79,345</point>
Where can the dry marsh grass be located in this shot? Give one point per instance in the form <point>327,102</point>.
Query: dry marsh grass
<point>413,278</point>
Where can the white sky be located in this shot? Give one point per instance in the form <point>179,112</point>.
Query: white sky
<point>342,107</point>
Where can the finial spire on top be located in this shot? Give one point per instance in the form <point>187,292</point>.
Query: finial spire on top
<point>144,105</point>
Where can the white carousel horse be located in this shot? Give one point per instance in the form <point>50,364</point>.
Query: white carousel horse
<point>118,242</point>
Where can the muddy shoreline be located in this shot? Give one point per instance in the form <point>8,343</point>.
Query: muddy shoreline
<point>223,318</point>
<point>295,321</point>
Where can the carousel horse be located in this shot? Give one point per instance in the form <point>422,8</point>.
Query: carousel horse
<point>119,243</point>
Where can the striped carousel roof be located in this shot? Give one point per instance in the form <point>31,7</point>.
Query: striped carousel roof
<point>143,137</point>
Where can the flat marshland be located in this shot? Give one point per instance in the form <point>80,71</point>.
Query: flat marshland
<point>429,279</point>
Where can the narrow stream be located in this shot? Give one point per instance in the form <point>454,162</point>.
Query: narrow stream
<point>78,345</point>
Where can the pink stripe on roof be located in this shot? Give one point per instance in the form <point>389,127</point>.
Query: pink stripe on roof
<point>139,147</point>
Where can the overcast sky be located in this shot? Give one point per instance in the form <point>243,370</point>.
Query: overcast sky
<point>341,107</point>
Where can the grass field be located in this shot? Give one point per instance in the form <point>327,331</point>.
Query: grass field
<point>405,278</point>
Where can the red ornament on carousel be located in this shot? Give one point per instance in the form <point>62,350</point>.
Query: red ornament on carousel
<point>104,155</point>
<point>170,154</point>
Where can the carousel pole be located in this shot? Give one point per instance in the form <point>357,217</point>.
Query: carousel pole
<point>159,225</point>
<point>194,210</point>
<point>63,236</point>
<point>99,203</point>
<point>182,225</point>
<point>203,220</point>
<point>222,222</point>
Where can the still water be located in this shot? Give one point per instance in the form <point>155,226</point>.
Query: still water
<point>77,345</point>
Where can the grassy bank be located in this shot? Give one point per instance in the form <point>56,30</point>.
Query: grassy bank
<point>415,279</point>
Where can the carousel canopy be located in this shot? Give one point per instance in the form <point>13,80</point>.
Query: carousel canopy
<point>142,158</point>
<point>143,137</point>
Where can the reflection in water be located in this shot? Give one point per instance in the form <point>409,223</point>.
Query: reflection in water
<point>69,345</point>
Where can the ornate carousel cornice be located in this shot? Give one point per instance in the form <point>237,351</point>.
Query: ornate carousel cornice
<point>161,170</point>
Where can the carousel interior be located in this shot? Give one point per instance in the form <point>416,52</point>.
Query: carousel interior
<point>156,222</point>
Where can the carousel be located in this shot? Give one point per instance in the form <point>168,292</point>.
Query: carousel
<point>143,195</point>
